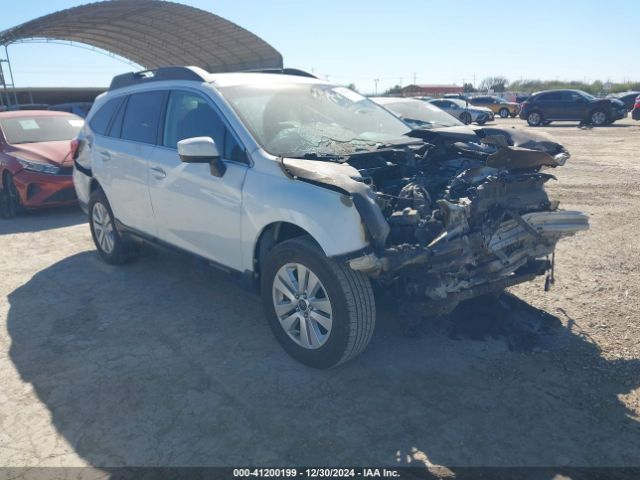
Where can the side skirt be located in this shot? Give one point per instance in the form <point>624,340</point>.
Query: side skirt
<point>245,279</point>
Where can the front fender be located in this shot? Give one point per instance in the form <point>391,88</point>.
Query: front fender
<point>328,216</point>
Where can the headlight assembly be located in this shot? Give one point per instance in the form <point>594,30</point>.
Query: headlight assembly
<point>39,167</point>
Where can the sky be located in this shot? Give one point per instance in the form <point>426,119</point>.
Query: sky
<point>357,41</point>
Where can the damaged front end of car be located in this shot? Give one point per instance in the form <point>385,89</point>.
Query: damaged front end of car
<point>452,214</point>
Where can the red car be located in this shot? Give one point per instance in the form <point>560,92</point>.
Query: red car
<point>635,113</point>
<point>35,160</point>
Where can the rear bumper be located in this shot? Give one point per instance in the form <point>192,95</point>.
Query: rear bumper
<point>41,190</point>
<point>635,114</point>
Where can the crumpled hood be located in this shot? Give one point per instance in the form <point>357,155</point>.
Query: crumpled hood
<point>55,153</point>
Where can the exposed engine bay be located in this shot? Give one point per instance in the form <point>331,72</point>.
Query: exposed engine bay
<point>454,212</point>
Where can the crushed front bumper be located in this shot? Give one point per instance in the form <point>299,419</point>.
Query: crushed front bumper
<point>468,264</point>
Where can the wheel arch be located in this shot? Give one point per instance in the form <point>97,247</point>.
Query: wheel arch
<point>273,234</point>
<point>94,185</point>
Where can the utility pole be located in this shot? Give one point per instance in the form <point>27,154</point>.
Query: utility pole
<point>414,78</point>
<point>375,81</point>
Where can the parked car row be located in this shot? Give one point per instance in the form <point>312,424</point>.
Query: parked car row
<point>541,108</point>
<point>304,189</point>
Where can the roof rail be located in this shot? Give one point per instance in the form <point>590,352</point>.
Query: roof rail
<point>158,74</point>
<point>283,71</point>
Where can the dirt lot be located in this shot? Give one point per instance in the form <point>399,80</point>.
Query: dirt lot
<point>163,362</point>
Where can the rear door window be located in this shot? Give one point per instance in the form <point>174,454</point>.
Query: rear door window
<point>100,121</point>
<point>142,117</point>
<point>549,97</point>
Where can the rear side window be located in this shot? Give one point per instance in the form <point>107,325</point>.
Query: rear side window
<point>100,121</point>
<point>116,125</point>
<point>142,117</point>
<point>549,97</point>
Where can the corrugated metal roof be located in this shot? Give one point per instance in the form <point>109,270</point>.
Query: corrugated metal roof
<point>154,33</point>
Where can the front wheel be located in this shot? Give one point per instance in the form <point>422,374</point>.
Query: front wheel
<point>504,113</point>
<point>599,118</point>
<point>465,117</point>
<point>10,204</point>
<point>112,248</point>
<point>321,312</point>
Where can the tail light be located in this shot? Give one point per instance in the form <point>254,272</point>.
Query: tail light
<point>75,145</point>
<point>637,105</point>
<point>523,105</point>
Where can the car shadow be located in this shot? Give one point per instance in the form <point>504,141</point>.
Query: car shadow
<point>44,219</point>
<point>164,363</point>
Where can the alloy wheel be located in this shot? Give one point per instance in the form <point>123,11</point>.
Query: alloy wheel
<point>534,118</point>
<point>599,118</point>
<point>103,227</point>
<point>302,305</point>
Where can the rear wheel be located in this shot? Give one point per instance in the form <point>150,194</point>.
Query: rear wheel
<point>534,119</point>
<point>10,204</point>
<point>504,112</point>
<point>465,117</point>
<point>321,311</point>
<point>111,247</point>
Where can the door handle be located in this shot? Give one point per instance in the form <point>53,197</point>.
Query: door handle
<point>106,156</point>
<point>158,172</point>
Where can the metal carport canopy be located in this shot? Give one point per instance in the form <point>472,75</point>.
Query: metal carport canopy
<point>154,33</point>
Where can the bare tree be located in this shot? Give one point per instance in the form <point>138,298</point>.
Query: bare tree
<point>497,84</point>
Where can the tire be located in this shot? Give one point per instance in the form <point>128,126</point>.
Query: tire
<point>599,118</point>
<point>504,113</point>
<point>10,204</point>
<point>481,122</point>
<point>465,117</point>
<point>343,296</point>
<point>112,248</point>
<point>534,119</point>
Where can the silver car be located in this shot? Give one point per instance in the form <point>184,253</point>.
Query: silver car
<point>466,113</point>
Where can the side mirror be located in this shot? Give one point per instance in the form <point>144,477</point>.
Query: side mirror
<point>202,150</point>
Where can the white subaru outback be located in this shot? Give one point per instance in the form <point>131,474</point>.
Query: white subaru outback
<point>313,193</point>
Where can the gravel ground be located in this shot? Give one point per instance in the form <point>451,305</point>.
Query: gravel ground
<point>165,363</point>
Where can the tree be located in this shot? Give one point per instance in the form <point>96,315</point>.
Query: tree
<point>352,86</point>
<point>394,90</point>
<point>497,84</point>
<point>468,88</point>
